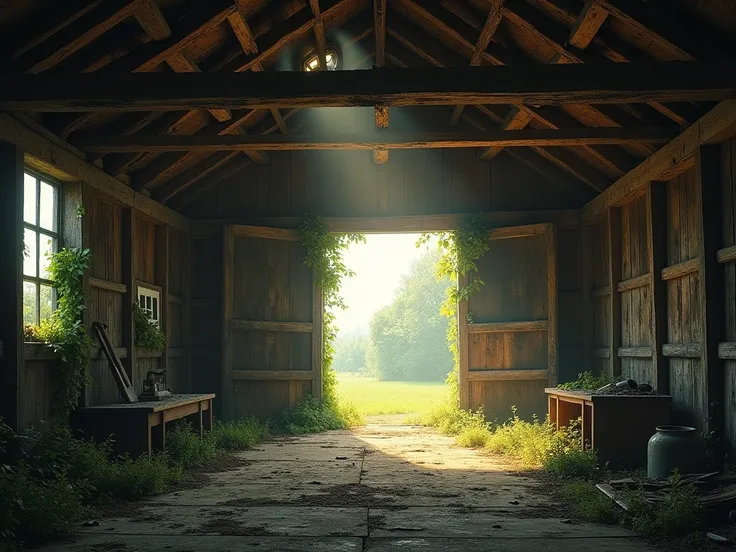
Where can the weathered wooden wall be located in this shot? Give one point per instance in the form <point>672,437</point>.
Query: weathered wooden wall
<point>670,317</point>
<point>161,258</point>
<point>349,183</point>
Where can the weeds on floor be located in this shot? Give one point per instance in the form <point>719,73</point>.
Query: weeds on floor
<point>313,416</point>
<point>679,514</point>
<point>49,479</point>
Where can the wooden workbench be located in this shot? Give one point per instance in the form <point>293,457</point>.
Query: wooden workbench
<point>139,428</point>
<point>617,427</point>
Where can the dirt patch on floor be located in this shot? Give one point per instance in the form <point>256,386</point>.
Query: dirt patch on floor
<point>222,523</point>
<point>347,495</point>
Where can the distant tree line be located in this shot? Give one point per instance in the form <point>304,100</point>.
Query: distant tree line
<point>407,339</point>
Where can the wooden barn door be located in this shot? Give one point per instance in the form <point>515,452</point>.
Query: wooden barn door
<point>508,330</point>
<point>272,315</point>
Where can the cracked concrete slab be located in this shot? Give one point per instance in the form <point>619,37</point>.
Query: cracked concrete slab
<point>377,488</point>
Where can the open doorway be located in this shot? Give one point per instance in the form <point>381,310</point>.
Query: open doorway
<point>391,353</point>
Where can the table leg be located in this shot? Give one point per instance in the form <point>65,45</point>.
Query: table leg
<point>149,437</point>
<point>210,414</point>
<point>199,419</point>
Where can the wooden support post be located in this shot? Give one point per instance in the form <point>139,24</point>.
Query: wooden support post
<point>614,275</point>
<point>708,171</point>
<point>130,296</point>
<point>228,411</point>
<point>462,348</point>
<point>75,233</point>
<point>11,282</point>
<point>656,204</point>
<point>551,246</point>
<point>586,288</point>
<point>318,314</point>
<point>162,279</point>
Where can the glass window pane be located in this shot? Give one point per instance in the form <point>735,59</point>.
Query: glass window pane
<point>49,209</point>
<point>30,253</point>
<point>29,303</point>
<point>48,301</point>
<point>48,246</point>
<point>29,199</point>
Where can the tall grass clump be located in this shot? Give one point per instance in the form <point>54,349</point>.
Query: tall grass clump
<point>240,434</point>
<point>679,514</point>
<point>313,416</point>
<point>189,450</point>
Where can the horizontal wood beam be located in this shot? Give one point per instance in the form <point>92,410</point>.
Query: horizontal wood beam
<point>61,163</point>
<point>681,269</point>
<point>727,350</point>
<point>507,375</point>
<point>536,84</point>
<point>245,231</point>
<point>243,375</point>
<point>370,140</point>
<point>513,232</point>
<point>270,326</point>
<point>399,224</point>
<point>635,352</point>
<point>682,350</point>
<point>727,254</point>
<point>714,127</point>
<point>634,283</point>
<point>107,285</point>
<point>498,327</point>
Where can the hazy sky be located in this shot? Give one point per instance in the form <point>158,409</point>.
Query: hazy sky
<point>379,265</point>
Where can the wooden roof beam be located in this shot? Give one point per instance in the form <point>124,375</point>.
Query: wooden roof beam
<point>379,26</point>
<point>172,163</point>
<point>516,119</point>
<point>372,140</point>
<point>493,20</point>
<point>249,46</point>
<point>685,44</point>
<point>587,25</point>
<point>542,85</point>
<point>77,32</point>
<point>319,34</point>
<point>208,167</point>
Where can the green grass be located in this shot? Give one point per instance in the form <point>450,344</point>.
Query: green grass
<point>372,397</point>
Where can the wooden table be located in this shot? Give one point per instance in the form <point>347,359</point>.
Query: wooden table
<point>617,427</point>
<point>139,428</point>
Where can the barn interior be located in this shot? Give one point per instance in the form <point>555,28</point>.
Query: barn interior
<point>183,142</point>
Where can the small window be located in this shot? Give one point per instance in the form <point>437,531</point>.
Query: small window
<point>40,240</point>
<point>150,301</point>
<point>311,62</point>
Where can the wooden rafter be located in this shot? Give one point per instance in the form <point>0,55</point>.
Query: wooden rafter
<point>551,85</point>
<point>379,25</point>
<point>208,167</point>
<point>248,43</point>
<point>376,139</point>
<point>75,33</point>
<point>587,24</point>
<point>319,34</point>
<point>493,20</point>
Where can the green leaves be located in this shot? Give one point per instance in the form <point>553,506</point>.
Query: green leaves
<point>64,331</point>
<point>147,332</point>
<point>324,257</point>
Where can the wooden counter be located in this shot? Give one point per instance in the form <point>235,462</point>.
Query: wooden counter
<point>139,428</point>
<point>617,427</point>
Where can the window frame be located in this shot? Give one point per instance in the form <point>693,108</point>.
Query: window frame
<point>37,280</point>
<point>144,289</point>
<point>313,54</point>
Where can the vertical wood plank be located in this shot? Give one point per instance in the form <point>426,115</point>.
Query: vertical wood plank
<point>162,279</point>
<point>318,314</point>
<point>11,282</point>
<point>656,204</point>
<point>227,410</point>
<point>614,268</point>
<point>585,260</point>
<point>551,246</point>
<point>129,271</point>
<point>708,173</point>
<point>462,347</point>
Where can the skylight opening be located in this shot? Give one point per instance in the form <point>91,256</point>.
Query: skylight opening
<point>312,62</point>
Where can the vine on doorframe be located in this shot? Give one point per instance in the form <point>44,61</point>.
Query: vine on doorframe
<point>460,249</point>
<point>324,256</point>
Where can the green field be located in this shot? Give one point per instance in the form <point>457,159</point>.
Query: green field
<point>372,397</point>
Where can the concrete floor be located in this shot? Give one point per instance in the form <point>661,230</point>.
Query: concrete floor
<point>379,488</point>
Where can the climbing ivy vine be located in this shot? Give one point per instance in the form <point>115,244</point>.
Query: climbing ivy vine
<point>324,255</point>
<point>64,330</point>
<point>460,249</point>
